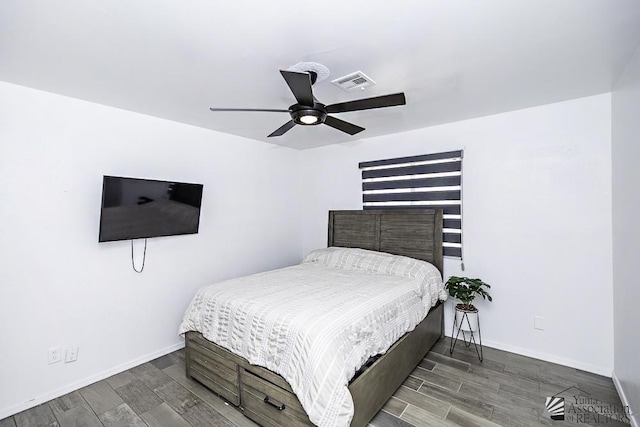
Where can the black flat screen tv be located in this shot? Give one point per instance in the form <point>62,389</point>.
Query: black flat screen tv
<point>135,208</point>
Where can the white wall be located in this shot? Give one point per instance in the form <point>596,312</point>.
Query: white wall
<point>626,233</point>
<point>59,287</point>
<point>537,220</point>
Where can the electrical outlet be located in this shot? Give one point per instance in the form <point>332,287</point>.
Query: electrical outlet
<point>71,355</point>
<point>538,323</point>
<point>54,355</point>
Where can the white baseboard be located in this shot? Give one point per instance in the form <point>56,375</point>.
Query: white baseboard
<point>623,397</point>
<point>549,358</point>
<point>12,410</point>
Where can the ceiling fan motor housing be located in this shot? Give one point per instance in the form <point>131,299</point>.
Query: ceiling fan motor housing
<point>302,114</point>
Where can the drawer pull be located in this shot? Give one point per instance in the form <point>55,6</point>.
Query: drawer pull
<point>279,406</point>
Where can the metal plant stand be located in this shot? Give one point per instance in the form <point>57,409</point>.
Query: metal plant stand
<point>472,338</point>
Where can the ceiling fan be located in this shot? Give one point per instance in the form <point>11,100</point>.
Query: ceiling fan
<point>309,112</point>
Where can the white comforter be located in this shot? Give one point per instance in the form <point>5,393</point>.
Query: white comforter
<point>316,323</point>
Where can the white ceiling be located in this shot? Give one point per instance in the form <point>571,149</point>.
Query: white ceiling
<point>454,59</point>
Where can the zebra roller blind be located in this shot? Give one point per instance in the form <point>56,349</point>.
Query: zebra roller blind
<point>432,181</point>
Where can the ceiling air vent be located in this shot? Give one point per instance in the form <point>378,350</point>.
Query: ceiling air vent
<point>353,81</point>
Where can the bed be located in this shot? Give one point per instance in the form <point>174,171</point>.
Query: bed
<point>257,324</point>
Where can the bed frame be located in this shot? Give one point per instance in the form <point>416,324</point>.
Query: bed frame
<point>415,233</point>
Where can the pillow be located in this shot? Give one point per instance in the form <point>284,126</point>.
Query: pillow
<point>381,263</point>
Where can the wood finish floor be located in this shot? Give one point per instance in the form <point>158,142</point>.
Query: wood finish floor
<point>445,390</point>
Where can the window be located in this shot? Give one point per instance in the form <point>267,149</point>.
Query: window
<point>431,181</point>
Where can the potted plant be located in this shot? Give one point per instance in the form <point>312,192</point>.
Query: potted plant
<point>466,290</point>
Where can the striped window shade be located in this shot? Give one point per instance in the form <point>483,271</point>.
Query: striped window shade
<point>431,181</point>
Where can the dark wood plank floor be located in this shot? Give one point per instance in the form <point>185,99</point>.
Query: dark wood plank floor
<point>445,390</point>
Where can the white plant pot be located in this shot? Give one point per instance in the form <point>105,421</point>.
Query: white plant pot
<point>471,324</point>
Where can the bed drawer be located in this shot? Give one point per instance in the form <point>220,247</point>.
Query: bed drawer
<point>210,367</point>
<point>268,404</point>
<point>220,354</point>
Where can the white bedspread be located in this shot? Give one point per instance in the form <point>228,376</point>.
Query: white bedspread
<point>316,323</point>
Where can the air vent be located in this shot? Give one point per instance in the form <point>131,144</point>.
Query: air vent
<point>353,81</point>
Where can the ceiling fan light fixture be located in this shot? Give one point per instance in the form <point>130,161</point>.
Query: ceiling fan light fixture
<point>309,119</point>
<point>307,111</point>
<point>308,116</point>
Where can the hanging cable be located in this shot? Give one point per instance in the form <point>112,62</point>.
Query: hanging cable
<point>144,257</point>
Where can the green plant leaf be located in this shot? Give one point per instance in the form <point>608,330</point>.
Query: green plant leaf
<point>466,289</point>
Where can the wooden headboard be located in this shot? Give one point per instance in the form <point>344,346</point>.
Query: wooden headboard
<point>415,233</point>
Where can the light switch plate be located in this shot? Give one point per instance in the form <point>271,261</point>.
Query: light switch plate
<point>71,355</point>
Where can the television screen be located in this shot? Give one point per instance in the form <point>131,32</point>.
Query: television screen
<point>136,208</point>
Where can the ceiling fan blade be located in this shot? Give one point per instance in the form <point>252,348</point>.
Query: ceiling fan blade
<point>300,85</point>
<point>249,109</point>
<point>347,127</point>
<point>368,103</point>
<point>283,129</point>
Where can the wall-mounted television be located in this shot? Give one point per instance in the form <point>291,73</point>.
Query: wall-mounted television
<point>135,208</point>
